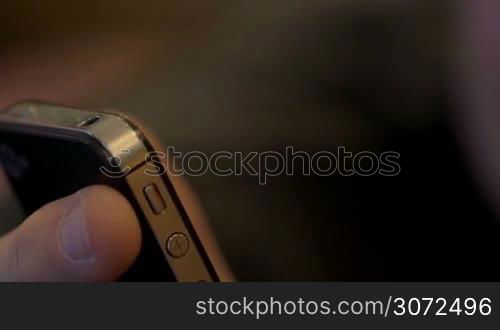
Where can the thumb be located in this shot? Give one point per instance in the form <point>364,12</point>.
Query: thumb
<point>92,235</point>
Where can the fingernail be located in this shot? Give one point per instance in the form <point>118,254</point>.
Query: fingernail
<point>73,231</point>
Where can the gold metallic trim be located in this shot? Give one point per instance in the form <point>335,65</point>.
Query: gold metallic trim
<point>114,133</point>
<point>188,268</point>
<point>116,136</point>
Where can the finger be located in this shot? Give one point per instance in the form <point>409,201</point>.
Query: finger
<point>193,208</point>
<point>92,235</point>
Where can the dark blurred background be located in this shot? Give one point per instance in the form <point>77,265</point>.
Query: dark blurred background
<point>255,76</point>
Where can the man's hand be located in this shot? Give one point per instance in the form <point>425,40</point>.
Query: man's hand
<point>35,250</point>
<point>92,235</point>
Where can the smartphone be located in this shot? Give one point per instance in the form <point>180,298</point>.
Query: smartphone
<point>50,151</point>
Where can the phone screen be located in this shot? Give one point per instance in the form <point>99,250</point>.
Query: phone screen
<point>42,169</point>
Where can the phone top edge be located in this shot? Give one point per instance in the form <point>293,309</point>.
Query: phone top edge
<point>111,131</point>
<point>120,137</point>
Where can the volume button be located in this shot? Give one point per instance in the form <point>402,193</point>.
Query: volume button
<point>153,196</point>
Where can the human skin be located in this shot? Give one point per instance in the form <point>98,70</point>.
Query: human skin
<point>79,238</point>
<point>476,118</point>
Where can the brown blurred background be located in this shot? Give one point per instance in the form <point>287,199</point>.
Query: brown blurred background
<point>256,76</point>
